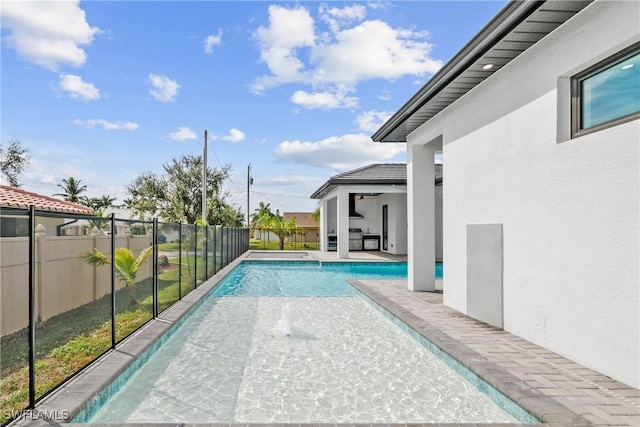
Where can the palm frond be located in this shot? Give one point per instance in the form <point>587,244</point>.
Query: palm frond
<point>96,258</point>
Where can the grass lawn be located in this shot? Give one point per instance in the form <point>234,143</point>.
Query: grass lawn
<point>274,245</point>
<point>69,341</point>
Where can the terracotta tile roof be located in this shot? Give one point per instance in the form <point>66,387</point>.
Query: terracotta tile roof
<point>16,197</point>
<point>303,219</point>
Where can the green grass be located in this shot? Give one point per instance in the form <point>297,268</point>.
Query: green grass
<point>274,245</point>
<point>70,341</point>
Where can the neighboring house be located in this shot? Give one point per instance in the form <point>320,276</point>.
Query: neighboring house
<point>366,209</point>
<point>17,225</point>
<point>537,119</point>
<point>308,228</point>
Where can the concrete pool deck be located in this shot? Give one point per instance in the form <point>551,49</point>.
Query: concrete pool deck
<point>556,390</point>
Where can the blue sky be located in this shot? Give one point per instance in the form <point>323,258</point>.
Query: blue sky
<point>106,90</point>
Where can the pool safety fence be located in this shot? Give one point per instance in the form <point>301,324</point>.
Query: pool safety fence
<point>72,286</point>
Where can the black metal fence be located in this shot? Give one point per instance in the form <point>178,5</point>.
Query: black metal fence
<point>73,286</point>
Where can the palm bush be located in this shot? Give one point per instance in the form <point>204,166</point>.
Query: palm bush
<point>127,266</point>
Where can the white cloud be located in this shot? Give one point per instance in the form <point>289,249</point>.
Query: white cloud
<point>372,50</point>
<point>48,33</point>
<point>339,153</point>
<point>164,89</point>
<point>370,121</point>
<point>106,125</point>
<point>296,50</point>
<point>211,41</point>
<point>183,134</point>
<point>336,17</point>
<point>289,30</point>
<point>234,135</point>
<point>78,89</point>
<point>325,100</point>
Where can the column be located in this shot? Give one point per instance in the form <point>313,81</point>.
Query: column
<point>343,223</point>
<point>324,221</point>
<point>421,218</point>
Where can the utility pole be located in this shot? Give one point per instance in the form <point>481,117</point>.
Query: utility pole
<point>204,179</point>
<point>249,182</point>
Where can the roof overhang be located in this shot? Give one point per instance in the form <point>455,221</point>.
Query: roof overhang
<point>517,27</point>
<point>331,185</point>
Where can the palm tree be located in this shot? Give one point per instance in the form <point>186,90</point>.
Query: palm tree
<point>98,203</point>
<point>279,225</point>
<point>262,210</point>
<point>127,266</point>
<point>72,190</point>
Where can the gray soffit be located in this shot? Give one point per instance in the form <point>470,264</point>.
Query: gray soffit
<point>375,174</point>
<point>517,27</point>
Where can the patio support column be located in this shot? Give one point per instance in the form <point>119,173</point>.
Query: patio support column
<point>421,217</point>
<point>343,223</point>
<point>324,225</point>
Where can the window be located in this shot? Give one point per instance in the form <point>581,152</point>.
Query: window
<point>608,93</point>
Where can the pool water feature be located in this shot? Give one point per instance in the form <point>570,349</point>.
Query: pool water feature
<point>342,361</point>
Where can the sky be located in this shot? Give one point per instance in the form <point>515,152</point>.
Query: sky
<point>104,91</point>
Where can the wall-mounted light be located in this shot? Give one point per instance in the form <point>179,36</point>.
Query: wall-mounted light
<point>487,66</point>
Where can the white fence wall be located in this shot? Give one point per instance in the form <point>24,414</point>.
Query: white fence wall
<point>64,281</point>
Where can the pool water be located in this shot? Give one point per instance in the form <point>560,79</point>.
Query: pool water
<point>265,278</point>
<point>341,362</point>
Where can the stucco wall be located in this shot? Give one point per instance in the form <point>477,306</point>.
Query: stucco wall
<point>569,208</point>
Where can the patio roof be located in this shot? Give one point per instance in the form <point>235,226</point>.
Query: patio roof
<point>517,27</point>
<point>375,174</point>
<point>16,197</point>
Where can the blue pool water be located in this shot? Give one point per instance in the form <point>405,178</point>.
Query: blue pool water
<point>265,278</point>
<point>341,360</point>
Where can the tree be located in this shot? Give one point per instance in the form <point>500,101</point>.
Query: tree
<point>13,160</point>
<point>262,210</point>
<point>279,225</point>
<point>148,195</point>
<point>127,266</point>
<point>72,190</point>
<point>177,194</point>
<point>316,215</point>
<point>98,203</point>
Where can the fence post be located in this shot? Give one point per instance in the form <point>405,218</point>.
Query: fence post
<point>154,267</point>
<point>113,279</point>
<point>215,244</point>
<point>206,252</point>
<point>195,256</point>
<point>32,306</point>
<point>180,260</point>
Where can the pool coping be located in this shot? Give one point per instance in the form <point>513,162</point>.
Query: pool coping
<point>69,400</point>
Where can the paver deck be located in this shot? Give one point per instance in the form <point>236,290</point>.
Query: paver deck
<point>556,390</point>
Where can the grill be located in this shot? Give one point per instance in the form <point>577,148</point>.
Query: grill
<point>355,239</point>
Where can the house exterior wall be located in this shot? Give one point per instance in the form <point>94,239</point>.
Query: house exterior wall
<point>569,207</point>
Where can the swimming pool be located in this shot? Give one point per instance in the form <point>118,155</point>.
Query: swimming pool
<point>340,360</point>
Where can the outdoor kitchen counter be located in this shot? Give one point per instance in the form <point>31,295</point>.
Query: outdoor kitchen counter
<point>371,242</point>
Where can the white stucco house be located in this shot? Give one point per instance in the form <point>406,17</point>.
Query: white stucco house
<point>537,119</point>
<point>366,209</point>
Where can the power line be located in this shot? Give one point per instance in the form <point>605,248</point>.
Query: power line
<point>222,167</point>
